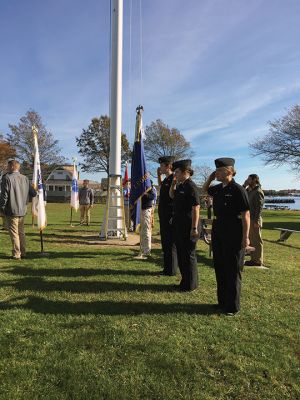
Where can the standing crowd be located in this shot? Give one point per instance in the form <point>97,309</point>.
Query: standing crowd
<point>236,226</point>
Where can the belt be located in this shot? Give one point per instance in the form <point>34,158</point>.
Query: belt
<point>228,217</point>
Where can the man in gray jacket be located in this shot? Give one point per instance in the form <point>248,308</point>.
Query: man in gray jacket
<point>256,202</point>
<point>86,202</point>
<point>15,192</point>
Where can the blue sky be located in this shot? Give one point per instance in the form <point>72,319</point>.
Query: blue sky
<point>218,70</point>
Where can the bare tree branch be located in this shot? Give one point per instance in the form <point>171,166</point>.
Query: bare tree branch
<point>281,146</point>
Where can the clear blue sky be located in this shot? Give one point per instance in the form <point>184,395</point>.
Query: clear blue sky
<point>218,70</point>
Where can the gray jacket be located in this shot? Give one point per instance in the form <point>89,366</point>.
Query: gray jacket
<point>15,192</point>
<point>86,196</point>
<point>256,200</point>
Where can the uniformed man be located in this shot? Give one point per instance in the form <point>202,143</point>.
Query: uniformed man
<point>230,233</point>
<point>165,210</point>
<point>185,222</point>
<point>256,202</point>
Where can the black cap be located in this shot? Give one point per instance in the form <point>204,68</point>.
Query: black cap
<point>224,162</point>
<point>181,164</point>
<point>166,159</point>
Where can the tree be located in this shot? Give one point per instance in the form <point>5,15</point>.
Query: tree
<point>94,146</point>
<point>6,152</point>
<point>201,173</point>
<point>282,144</point>
<point>161,140</point>
<point>21,139</point>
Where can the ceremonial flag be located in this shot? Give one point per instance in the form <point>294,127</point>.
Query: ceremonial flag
<point>126,178</point>
<point>74,191</point>
<point>140,177</point>
<point>38,203</point>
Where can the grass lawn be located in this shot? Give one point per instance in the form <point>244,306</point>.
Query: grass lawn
<point>90,322</point>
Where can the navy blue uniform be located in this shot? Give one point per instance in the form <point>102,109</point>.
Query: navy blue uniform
<point>165,212</point>
<point>227,234</point>
<point>185,197</point>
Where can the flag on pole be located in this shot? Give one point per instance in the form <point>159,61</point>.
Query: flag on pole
<point>38,203</point>
<point>140,177</point>
<point>74,192</point>
<point>126,178</point>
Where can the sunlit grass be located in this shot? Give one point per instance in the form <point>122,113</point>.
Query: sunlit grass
<point>88,321</point>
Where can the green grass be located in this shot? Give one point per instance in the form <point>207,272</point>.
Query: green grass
<point>90,322</point>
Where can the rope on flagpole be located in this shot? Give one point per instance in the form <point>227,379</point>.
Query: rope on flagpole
<point>130,65</point>
<point>141,48</point>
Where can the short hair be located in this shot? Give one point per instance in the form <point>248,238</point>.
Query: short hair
<point>86,180</point>
<point>186,169</point>
<point>231,169</point>
<point>255,178</point>
<point>13,164</point>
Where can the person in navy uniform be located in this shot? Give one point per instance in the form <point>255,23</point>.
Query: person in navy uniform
<point>230,233</point>
<point>165,210</point>
<point>186,205</point>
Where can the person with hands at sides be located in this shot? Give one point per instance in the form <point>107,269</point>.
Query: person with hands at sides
<point>186,209</point>
<point>256,201</point>
<point>86,202</point>
<point>165,211</point>
<point>230,233</point>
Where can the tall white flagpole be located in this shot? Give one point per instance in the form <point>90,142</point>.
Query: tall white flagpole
<point>115,110</point>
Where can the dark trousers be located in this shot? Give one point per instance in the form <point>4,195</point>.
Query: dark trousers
<point>227,256</point>
<point>187,260</point>
<point>168,245</point>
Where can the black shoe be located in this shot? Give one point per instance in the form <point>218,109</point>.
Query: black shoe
<point>252,264</point>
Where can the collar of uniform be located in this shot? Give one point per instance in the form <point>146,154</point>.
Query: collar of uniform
<point>228,184</point>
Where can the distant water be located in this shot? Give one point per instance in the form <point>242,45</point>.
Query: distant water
<point>296,205</point>
<point>292,206</point>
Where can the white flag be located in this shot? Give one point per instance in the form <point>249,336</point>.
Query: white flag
<point>38,204</point>
<point>74,192</point>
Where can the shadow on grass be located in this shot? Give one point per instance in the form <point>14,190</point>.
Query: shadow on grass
<point>43,306</point>
<point>282,224</point>
<point>73,254</point>
<point>204,259</point>
<point>284,244</point>
<point>76,272</point>
<point>40,285</point>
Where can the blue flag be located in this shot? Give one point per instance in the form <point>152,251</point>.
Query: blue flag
<point>140,177</point>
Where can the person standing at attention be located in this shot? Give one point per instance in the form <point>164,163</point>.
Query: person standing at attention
<point>147,201</point>
<point>86,202</point>
<point>256,201</point>
<point>230,233</point>
<point>165,212</point>
<point>15,192</point>
<point>185,222</point>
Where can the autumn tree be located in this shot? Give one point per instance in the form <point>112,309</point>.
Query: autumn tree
<point>161,140</point>
<point>94,146</point>
<point>281,146</point>
<point>21,139</point>
<point>6,152</point>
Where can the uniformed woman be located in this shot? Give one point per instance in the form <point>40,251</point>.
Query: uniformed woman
<point>165,210</point>
<point>230,233</point>
<point>186,206</point>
